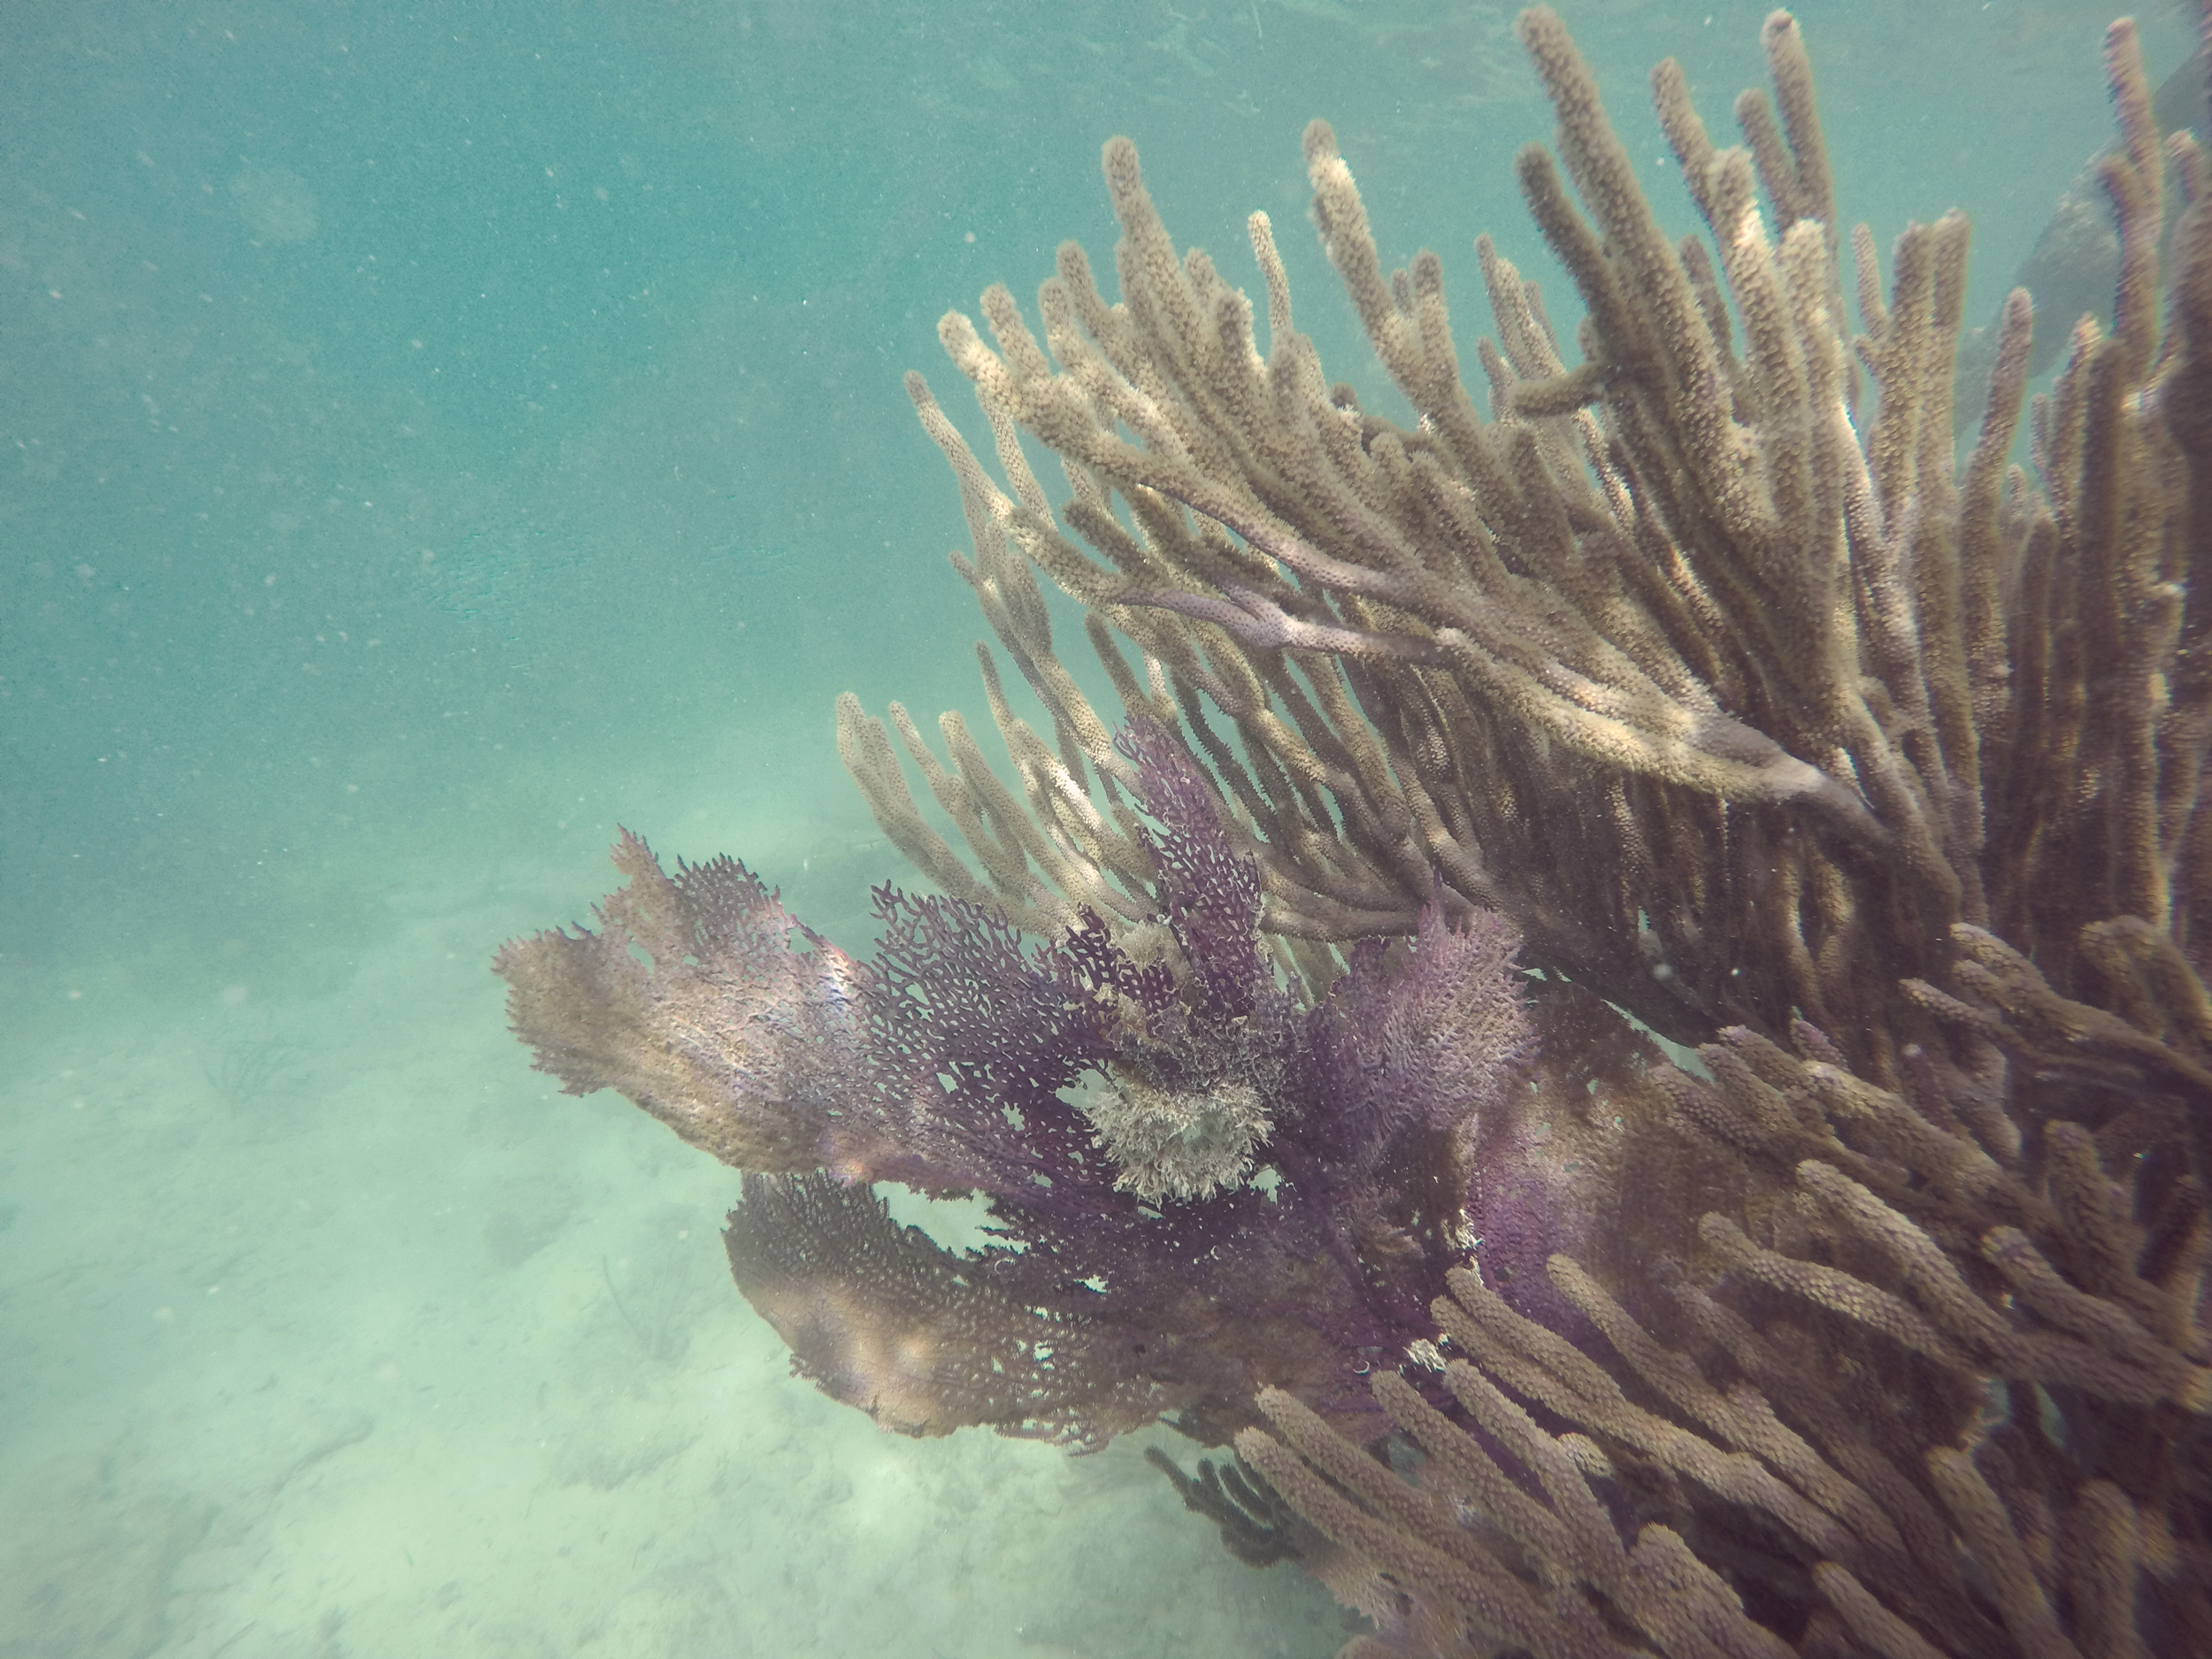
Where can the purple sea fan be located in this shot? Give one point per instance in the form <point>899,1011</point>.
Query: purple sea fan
<point>1419,1030</point>
<point>1188,1092</point>
<point>704,1001</point>
<point>1580,1161</point>
<point>1197,1189</point>
<point>1420,1043</point>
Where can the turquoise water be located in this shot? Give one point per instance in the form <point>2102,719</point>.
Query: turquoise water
<point>431,435</point>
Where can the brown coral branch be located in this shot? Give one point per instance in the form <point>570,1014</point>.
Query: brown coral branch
<point>1847,704</point>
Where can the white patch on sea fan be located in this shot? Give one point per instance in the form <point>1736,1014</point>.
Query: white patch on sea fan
<point>1176,1143</point>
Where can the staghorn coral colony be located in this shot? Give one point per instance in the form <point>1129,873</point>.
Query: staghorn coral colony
<point>1703,679</point>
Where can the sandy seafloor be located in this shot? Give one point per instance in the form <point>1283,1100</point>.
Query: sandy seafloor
<point>450,1364</point>
<point>431,435</point>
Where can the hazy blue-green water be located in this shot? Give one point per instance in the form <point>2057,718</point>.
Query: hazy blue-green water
<point>431,435</point>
